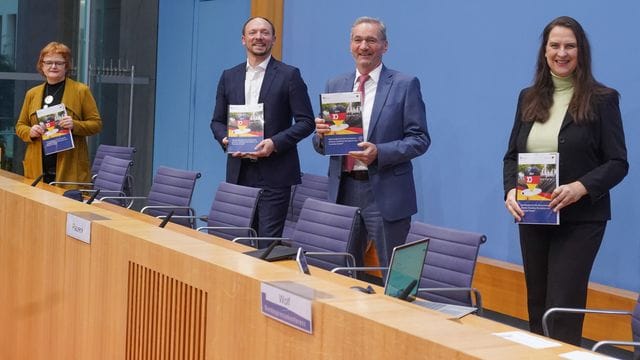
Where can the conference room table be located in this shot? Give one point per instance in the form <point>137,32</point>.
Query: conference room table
<point>138,291</point>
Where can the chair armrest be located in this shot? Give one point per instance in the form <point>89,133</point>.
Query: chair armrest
<point>355,269</point>
<point>348,256</point>
<point>168,207</point>
<point>476,294</point>
<point>254,240</point>
<point>130,203</point>
<point>70,183</point>
<point>252,232</point>
<point>545,327</point>
<point>597,345</point>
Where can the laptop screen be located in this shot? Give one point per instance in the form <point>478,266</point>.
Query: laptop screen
<point>405,269</point>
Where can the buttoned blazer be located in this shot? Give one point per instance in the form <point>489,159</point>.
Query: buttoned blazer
<point>398,128</point>
<point>284,95</point>
<point>593,153</point>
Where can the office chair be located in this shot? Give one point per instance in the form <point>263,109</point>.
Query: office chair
<point>326,231</point>
<point>635,325</point>
<point>120,152</point>
<point>449,266</point>
<point>110,180</point>
<point>232,211</point>
<point>311,186</point>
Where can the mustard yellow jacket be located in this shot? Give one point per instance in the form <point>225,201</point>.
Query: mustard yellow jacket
<point>72,165</point>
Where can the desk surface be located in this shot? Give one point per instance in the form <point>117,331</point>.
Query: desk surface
<point>142,291</point>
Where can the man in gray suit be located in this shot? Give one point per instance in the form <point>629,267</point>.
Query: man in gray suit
<point>380,181</point>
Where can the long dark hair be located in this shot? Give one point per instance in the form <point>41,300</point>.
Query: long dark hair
<point>538,99</point>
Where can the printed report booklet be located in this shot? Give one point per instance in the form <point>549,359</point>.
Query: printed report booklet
<point>343,113</point>
<point>537,178</point>
<point>245,126</point>
<point>55,138</point>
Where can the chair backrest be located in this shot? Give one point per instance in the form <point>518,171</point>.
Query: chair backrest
<point>451,261</point>
<point>311,186</point>
<point>233,206</point>
<point>111,178</point>
<point>172,187</point>
<point>326,227</point>
<point>120,152</point>
<point>635,327</point>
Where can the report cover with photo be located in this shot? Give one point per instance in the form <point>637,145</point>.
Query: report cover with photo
<point>343,113</point>
<point>537,178</point>
<point>245,126</point>
<point>55,138</point>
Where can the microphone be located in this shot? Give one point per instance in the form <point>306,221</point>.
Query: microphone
<point>406,291</point>
<point>37,180</point>
<point>93,196</point>
<point>166,219</point>
<point>268,250</point>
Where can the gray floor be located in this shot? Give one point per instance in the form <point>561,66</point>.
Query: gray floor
<point>586,343</point>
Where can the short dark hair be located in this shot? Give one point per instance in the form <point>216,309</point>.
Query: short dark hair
<point>273,28</point>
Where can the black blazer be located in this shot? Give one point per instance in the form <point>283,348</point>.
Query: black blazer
<point>284,95</point>
<point>593,153</point>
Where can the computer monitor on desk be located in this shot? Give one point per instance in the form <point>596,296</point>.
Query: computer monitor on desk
<point>405,269</point>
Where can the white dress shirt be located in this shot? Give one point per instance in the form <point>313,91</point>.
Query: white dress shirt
<point>253,81</point>
<point>370,88</point>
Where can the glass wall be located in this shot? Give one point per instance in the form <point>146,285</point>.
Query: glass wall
<point>114,48</point>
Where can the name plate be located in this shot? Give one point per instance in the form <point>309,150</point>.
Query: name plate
<point>286,306</point>
<point>79,225</point>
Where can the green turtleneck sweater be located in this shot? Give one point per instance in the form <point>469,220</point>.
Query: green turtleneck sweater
<point>544,136</point>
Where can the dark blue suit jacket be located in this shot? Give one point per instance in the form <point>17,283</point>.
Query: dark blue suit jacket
<point>398,127</point>
<point>284,95</point>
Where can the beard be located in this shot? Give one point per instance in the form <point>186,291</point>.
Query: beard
<point>266,50</point>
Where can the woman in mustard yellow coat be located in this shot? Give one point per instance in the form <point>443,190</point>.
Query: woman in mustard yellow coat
<point>83,119</point>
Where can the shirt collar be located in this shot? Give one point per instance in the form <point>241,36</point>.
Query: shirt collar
<point>373,75</point>
<point>262,66</point>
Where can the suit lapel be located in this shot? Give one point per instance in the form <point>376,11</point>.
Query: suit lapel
<point>568,119</point>
<point>269,74</point>
<point>382,92</point>
<point>236,91</point>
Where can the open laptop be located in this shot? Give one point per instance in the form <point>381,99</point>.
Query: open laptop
<point>403,278</point>
<point>405,269</point>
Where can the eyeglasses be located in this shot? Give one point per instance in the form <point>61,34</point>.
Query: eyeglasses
<point>56,63</point>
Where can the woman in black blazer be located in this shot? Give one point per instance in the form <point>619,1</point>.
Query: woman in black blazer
<point>569,112</point>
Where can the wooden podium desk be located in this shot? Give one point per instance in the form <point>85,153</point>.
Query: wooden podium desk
<point>142,292</point>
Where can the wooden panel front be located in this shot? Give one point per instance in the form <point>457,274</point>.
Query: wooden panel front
<point>166,318</point>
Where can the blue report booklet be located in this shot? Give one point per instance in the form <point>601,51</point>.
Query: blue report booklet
<point>245,127</point>
<point>55,138</point>
<point>537,178</point>
<point>343,113</point>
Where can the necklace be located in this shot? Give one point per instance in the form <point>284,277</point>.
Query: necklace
<point>48,99</point>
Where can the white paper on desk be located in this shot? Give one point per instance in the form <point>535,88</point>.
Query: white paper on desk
<point>583,355</point>
<point>527,339</point>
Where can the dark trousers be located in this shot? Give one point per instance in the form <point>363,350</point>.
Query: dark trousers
<point>385,234</point>
<point>557,262</point>
<point>272,205</point>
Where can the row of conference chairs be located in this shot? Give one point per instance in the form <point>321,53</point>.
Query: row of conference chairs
<point>326,231</point>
